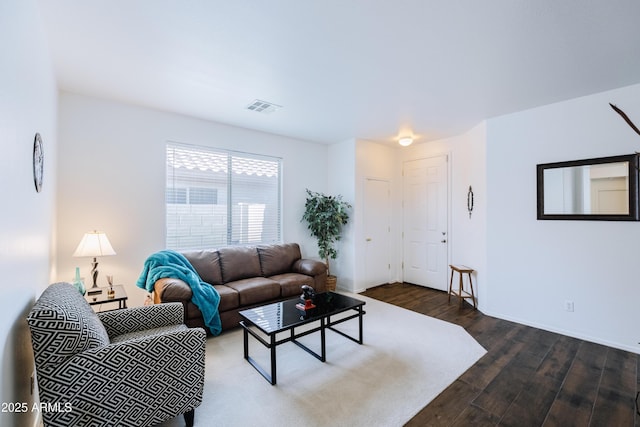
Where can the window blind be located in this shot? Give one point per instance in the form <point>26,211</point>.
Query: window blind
<point>218,197</point>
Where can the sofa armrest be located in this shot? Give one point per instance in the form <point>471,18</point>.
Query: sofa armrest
<point>310,267</point>
<point>172,290</point>
<point>118,322</point>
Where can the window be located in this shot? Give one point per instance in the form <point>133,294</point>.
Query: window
<point>216,198</point>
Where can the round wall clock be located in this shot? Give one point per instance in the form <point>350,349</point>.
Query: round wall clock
<point>38,162</point>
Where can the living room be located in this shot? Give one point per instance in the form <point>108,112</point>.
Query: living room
<point>104,168</point>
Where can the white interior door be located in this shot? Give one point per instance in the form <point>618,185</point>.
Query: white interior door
<point>377,232</point>
<point>425,213</point>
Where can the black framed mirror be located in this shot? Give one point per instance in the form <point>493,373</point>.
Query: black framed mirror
<point>600,189</point>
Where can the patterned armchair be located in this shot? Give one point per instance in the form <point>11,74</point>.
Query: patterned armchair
<point>134,367</point>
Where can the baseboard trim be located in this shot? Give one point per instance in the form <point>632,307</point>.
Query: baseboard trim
<point>561,331</point>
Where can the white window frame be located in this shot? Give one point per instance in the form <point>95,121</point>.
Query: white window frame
<point>200,226</point>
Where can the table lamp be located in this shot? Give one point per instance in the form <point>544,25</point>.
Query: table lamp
<point>94,244</point>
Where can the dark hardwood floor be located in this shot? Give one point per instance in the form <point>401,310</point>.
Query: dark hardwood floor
<point>529,377</point>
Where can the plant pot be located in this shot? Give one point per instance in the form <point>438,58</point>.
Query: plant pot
<point>331,283</point>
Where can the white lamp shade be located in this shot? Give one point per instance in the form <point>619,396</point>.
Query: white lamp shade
<point>94,244</point>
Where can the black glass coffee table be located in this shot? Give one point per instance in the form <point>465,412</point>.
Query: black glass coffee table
<point>272,319</point>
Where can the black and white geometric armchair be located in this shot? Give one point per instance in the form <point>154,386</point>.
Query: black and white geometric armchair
<point>133,367</point>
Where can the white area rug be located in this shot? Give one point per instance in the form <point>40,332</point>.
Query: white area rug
<point>407,359</point>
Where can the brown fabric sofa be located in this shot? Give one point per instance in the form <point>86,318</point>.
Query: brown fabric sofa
<point>244,276</point>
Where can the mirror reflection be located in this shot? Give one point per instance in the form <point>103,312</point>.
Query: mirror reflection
<point>589,189</point>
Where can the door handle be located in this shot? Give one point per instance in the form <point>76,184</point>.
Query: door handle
<point>443,241</point>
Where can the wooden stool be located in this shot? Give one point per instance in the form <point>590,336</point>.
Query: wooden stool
<point>460,292</point>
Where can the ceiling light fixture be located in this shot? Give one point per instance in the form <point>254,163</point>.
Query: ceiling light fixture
<point>406,141</point>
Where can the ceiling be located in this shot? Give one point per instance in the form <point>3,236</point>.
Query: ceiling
<point>341,69</point>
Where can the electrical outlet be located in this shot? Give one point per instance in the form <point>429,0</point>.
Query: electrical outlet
<point>568,306</point>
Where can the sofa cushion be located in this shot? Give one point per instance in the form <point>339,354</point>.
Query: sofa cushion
<point>229,298</point>
<point>255,290</point>
<point>278,259</point>
<point>291,283</point>
<point>239,262</point>
<point>207,264</point>
<point>63,324</point>
<point>191,311</point>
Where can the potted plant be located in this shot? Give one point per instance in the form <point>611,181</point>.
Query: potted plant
<point>325,216</point>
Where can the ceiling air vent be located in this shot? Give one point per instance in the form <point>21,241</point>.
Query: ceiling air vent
<point>265,107</point>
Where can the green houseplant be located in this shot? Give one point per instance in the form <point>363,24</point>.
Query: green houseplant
<point>325,217</point>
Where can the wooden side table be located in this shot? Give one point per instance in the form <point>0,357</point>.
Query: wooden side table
<point>103,298</point>
<point>460,292</point>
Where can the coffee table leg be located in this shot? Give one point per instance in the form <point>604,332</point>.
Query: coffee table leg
<point>246,343</point>
<point>360,322</point>
<point>323,347</point>
<point>271,345</point>
<point>273,359</point>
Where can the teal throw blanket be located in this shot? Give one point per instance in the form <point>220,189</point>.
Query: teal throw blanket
<point>174,265</point>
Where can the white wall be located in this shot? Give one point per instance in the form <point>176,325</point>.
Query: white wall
<point>376,161</point>
<point>27,105</point>
<point>468,234</point>
<point>535,266</point>
<point>112,178</point>
<point>341,181</point>
<point>350,163</point>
